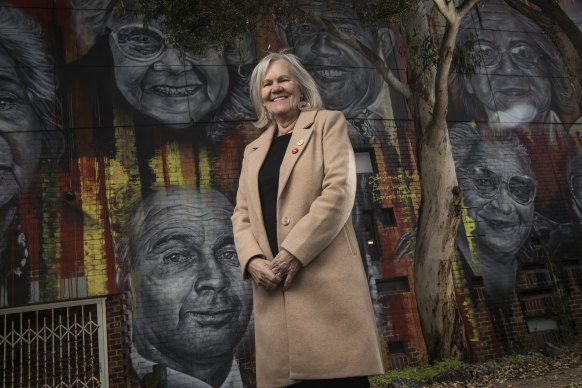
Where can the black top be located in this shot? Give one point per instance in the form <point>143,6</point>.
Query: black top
<point>269,185</point>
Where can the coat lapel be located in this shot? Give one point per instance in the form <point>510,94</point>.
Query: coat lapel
<point>256,158</point>
<point>301,134</point>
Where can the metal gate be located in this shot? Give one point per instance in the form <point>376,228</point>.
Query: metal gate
<point>54,345</point>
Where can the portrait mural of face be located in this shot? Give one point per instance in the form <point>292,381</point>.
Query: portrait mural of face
<point>498,190</point>
<point>28,129</point>
<point>20,143</point>
<point>518,80</point>
<point>160,81</point>
<point>346,80</point>
<point>190,306</point>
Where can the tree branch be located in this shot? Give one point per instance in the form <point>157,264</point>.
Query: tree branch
<point>453,16</point>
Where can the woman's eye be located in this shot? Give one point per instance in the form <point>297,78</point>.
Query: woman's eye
<point>7,102</point>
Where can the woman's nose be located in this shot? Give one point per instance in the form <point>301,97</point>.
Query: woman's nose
<point>503,201</point>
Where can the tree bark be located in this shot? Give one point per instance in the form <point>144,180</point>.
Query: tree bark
<point>442,324</point>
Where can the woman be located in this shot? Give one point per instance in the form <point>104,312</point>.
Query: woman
<point>294,237</point>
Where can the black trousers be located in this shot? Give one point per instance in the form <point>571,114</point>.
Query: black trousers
<point>347,382</point>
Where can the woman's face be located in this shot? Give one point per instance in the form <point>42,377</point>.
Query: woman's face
<point>20,136</point>
<point>513,80</point>
<point>161,82</point>
<point>280,92</point>
<point>499,195</point>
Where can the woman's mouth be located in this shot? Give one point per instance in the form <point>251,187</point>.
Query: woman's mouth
<point>174,91</point>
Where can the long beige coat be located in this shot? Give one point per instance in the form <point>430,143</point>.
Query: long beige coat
<point>323,326</point>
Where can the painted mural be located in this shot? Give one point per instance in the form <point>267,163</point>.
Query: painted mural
<point>189,305</point>
<point>512,134</point>
<point>120,156</point>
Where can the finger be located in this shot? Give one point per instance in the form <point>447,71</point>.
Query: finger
<point>273,275</point>
<point>270,284</point>
<point>271,278</point>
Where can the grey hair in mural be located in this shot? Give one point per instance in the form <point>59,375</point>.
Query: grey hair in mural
<point>498,190</point>
<point>518,81</point>
<point>347,81</point>
<point>189,305</point>
<point>28,129</point>
<point>162,82</point>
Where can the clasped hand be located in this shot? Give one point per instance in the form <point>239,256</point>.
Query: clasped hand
<point>270,274</point>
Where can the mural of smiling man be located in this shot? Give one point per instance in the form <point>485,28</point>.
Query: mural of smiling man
<point>189,305</point>
<point>347,81</point>
<point>28,133</point>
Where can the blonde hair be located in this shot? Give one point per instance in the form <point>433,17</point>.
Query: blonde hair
<point>307,86</point>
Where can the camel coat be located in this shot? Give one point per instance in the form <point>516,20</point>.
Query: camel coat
<point>323,326</point>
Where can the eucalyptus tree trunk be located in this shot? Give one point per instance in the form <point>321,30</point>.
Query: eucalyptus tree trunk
<point>427,97</point>
<point>440,209</point>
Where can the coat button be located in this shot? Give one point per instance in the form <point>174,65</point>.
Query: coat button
<point>285,221</point>
<point>300,142</point>
<point>295,150</point>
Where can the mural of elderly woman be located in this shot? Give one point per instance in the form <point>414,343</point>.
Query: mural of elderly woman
<point>28,132</point>
<point>498,189</point>
<point>518,88</point>
<point>518,83</point>
<point>158,80</point>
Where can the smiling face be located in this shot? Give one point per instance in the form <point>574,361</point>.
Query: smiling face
<point>160,82</point>
<point>189,299</point>
<point>279,91</point>
<point>20,137</point>
<point>513,79</point>
<point>346,80</point>
<point>498,191</point>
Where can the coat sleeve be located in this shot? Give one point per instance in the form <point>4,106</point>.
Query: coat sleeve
<point>330,211</point>
<point>246,244</point>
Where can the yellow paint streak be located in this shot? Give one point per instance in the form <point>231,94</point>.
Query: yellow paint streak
<point>204,166</point>
<point>470,227</point>
<point>122,178</point>
<point>467,307</point>
<point>157,165</point>
<point>173,161</point>
<point>93,230</point>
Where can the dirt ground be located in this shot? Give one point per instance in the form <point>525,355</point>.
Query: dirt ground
<point>564,378</point>
<point>523,371</point>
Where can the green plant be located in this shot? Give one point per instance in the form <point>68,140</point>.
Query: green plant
<point>421,373</point>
